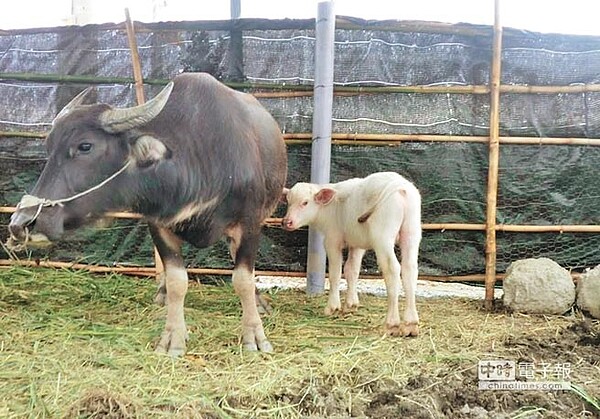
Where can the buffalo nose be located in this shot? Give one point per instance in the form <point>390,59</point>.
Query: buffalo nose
<point>18,224</point>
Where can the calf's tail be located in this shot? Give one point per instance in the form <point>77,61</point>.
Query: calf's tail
<point>400,185</point>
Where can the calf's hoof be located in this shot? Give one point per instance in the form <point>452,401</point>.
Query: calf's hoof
<point>350,308</point>
<point>403,329</point>
<point>332,310</point>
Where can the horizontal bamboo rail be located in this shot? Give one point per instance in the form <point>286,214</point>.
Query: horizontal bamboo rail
<point>293,90</point>
<point>514,228</point>
<point>150,271</point>
<point>390,139</point>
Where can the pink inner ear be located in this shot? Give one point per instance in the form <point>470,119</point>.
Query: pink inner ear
<point>324,196</point>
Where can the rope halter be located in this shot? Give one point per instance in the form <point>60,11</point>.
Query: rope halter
<point>30,201</point>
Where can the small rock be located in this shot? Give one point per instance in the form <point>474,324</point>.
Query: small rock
<point>588,292</point>
<point>539,286</point>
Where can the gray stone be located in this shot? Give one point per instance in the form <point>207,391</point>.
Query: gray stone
<point>538,286</point>
<point>588,292</point>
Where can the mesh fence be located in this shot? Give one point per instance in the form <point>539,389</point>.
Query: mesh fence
<point>538,185</point>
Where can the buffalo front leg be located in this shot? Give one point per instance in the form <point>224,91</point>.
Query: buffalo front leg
<point>253,334</point>
<point>234,234</point>
<point>173,338</point>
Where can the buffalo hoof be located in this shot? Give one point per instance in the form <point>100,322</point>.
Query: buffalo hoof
<point>160,298</point>
<point>161,292</point>
<point>254,339</point>
<point>403,330</point>
<point>264,346</point>
<point>262,305</point>
<point>172,343</point>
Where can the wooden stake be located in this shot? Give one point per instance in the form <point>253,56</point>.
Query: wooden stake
<point>494,151</point>
<point>139,92</point>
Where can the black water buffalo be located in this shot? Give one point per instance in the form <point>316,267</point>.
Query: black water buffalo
<point>200,161</point>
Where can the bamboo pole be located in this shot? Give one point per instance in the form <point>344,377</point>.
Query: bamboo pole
<point>391,139</point>
<point>509,228</point>
<point>150,271</point>
<point>296,90</point>
<point>139,92</point>
<point>135,59</point>
<point>494,151</point>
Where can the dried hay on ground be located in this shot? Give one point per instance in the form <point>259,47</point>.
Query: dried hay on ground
<point>79,345</point>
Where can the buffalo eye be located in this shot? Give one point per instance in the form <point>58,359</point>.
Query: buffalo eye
<point>304,203</point>
<point>84,148</point>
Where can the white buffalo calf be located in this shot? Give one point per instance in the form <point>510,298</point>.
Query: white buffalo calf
<point>376,213</point>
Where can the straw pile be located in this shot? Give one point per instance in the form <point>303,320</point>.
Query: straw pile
<point>80,345</point>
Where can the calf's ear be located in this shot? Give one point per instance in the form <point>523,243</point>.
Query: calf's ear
<point>147,150</point>
<point>324,196</point>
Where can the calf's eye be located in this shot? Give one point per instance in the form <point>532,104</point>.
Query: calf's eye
<point>84,147</point>
<point>304,203</point>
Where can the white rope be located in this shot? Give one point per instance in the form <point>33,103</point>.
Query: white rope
<point>29,201</point>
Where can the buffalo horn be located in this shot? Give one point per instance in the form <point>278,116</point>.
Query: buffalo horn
<point>76,101</point>
<point>118,120</point>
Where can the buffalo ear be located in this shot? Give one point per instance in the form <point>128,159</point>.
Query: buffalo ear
<point>147,150</point>
<point>325,196</point>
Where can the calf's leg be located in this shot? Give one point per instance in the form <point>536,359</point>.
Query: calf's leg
<point>334,256</point>
<point>409,248</point>
<point>351,273</point>
<point>390,268</point>
<point>173,338</point>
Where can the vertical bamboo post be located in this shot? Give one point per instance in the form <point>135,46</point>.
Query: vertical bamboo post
<point>139,93</point>
<point>494,151</point>
<point>321,137</point>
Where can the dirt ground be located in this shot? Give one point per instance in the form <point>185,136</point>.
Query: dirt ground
<point>459,397</point>
<point>453,393</point>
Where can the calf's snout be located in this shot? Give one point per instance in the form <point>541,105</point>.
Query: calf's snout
<point>287,224</point>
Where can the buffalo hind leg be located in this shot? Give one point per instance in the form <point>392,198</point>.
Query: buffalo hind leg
<point>253,334</point>
<point>173,338</point>
<point>161,293</point>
